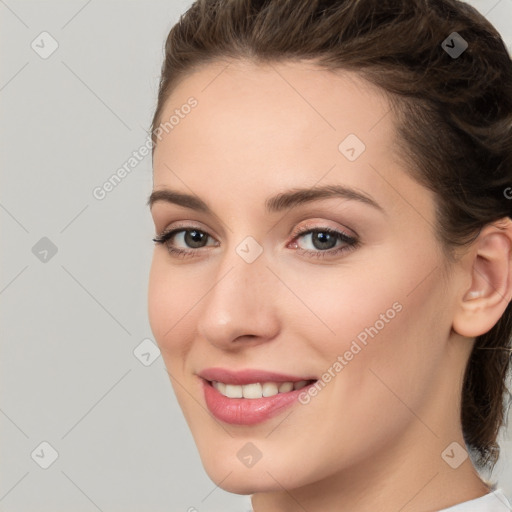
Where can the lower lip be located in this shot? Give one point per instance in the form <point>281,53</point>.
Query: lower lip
<point>248,411</point>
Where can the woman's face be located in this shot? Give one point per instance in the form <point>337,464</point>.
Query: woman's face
<point>361,309</point>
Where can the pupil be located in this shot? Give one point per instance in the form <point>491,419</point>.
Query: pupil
<point>194,237</point>
<point>324,238</point>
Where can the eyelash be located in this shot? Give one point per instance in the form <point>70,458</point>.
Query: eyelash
<point>351,242</point>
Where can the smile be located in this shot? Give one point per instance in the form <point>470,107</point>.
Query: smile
<point>257,389</point>
<point>248,397</point>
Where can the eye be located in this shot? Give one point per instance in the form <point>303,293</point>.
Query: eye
<point>193,237</point>
<point>323,240</point>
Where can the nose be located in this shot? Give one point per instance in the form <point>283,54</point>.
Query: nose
<point>241,306</point>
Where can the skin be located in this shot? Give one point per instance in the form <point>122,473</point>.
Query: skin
<point>372,439</point>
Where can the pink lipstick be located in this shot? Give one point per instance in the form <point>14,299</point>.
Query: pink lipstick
<point>249,397</point>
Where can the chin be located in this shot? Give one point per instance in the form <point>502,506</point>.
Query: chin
<point>241,480</point>
<point>267,475</point>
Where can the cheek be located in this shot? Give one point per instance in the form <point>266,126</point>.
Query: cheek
<point>170,310</point>
<point>171,299</point>
<point>378,331</point>
<point>343,303</point>
<point>391,302</point>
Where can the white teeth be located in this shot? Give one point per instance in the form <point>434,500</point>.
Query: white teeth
<point>233,391</point>
<point>270,389</point>
<point>285,387</point>
<point>252,390</point>
<point>257,390</point>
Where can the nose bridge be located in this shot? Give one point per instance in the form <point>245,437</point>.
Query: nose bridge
<point>241,300</point>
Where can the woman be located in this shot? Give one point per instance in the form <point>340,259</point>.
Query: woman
<point>331,282</point>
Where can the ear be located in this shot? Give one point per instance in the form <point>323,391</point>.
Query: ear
<point>489,265</point>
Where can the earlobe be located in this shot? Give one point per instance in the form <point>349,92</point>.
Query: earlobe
<point>490,267</point>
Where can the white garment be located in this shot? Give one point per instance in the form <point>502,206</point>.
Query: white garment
<point>495,501</point>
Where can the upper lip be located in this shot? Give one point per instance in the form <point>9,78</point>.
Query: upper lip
<point>248,376</point>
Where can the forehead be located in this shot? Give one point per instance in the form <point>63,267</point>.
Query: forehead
<point>256,131</point>
<point>260,127</point>
<point>293,105</point>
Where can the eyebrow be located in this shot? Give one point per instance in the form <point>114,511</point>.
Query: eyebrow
<point>277,203</point>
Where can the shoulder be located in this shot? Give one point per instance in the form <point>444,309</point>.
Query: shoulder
<point>495,501</point>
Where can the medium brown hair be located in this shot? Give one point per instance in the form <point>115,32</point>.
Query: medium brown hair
<point>454,121</point>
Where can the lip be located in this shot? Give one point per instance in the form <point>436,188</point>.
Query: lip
<point>248,411</point>
<point>248,376</point>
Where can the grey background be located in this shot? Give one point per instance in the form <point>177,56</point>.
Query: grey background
<point>71,322</point>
